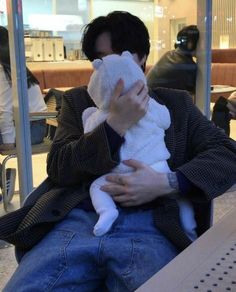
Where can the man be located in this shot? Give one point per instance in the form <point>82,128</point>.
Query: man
<point>56,232</point>
<point>176,68</point>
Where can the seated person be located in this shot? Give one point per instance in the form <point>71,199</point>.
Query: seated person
<point>148,233</point>
<point>177,68</point>
<point>223,111</point>
<point>36,104</point>
<point>144,141</point>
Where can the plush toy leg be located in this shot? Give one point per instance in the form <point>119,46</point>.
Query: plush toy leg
<point>104,206</point>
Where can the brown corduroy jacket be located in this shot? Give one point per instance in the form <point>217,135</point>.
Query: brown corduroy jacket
<point>199,150</point>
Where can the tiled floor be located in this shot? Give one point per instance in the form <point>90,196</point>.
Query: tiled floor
<point>222,205</point>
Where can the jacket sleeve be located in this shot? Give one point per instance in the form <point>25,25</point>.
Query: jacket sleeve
<point>77,157</point>
<point>211,161</point>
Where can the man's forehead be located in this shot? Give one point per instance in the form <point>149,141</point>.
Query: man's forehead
<point>103,45</point>
<point>103,40</point>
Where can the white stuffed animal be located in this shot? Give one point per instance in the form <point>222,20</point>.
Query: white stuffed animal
<point>144,141</point>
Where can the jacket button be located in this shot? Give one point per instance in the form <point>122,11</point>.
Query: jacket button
<point>56,212</point>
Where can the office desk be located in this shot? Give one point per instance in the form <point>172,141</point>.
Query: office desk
<point>45,91</point>
<point>207,265</point>
<point>218,90</point>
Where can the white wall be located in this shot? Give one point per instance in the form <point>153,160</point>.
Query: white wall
<point>174,10</point>
<point>35,7</point>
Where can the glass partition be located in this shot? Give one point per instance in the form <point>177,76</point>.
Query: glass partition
<point>163,18</point>
<point>57,18</point>
<point>223,77</point>
<point>51,18</point>
<point>170,17</point>
<point>63,22</point>
<point>223,24</point>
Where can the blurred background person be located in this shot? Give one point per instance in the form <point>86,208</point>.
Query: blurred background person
<point>177,68</point>
<point>223,111</point>
<point>36,104</point>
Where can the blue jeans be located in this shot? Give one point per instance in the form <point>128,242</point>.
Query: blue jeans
<point>37,131</point>
<point>71,258</point>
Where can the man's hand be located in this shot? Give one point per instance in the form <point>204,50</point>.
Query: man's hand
<point>125,110</point>
<point>139,187</point>
<point>232,104</point>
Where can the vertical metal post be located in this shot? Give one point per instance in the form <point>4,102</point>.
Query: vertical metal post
<point>20,96</point>
<point>203,85</point>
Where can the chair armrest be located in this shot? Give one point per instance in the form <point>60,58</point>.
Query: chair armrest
<point>7,146</point>
<point>42,115</point>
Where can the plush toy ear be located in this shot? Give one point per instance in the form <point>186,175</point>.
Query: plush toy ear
<point>127,54</point>
<point>97,63</point>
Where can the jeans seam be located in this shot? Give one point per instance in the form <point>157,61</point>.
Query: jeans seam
<point>63,255</point>
<point>133,252</point>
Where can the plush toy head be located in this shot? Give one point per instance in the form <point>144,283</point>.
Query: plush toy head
<point>107,72</point>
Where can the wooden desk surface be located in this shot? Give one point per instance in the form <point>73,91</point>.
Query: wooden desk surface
<point>222,88</point>
<point>45,91</point>
<point>207,265</point>
<point>59,65</point>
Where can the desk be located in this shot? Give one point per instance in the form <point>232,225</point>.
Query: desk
<point>219,90</point>
<point>45,91</point>
<point>208,264</point>
<point>59,65</point>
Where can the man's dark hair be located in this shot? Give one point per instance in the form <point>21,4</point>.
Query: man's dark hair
<point>127,32</point>
<point>5,58</point>
<point>187,38</point>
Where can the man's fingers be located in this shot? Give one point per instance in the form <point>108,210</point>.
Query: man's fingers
<point>118,89</point>
<point>137,88</point>
<point>117,179</point>
<point>129,204</point>
<point>145,101</point>
<point>134,163</point>
<point>125,199</point>
<point>144,92</point>
<point>113,189</point>
<point>122,199</point>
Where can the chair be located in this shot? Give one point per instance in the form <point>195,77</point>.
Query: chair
<point>43,147</point>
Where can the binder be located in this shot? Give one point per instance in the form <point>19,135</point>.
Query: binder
<point>58,49</point>
<point>37,49</point>
<point>48,52</point>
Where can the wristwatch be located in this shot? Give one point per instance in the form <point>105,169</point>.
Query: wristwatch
<point>173,181</point>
